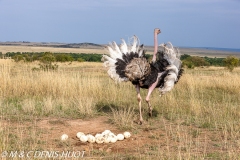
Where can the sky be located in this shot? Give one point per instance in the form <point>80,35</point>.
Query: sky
<point>185,23</point>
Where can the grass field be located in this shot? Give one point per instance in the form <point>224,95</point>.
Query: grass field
<point>198,119</point>
<point>5,49</point>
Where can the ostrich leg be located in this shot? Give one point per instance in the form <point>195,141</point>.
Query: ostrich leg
<point>152,87</point>
<point>139,104</point>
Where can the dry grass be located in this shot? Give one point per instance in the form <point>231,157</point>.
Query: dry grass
<point>202,108</point>
<point>5,49</point>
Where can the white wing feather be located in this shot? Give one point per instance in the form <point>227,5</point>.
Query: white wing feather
<point>116,52</point>
<point>134,44</point>
<point>171,54</point>
<point>116,48</point>
<point>113,53</point>
<point>124,47</point>
<point>173,57</point>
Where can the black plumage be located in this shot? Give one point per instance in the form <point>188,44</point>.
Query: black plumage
<point>156,67</point>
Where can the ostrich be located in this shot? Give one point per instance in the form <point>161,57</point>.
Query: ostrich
<point>129,63</point>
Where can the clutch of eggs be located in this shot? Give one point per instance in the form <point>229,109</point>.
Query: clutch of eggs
<point>105,137</point>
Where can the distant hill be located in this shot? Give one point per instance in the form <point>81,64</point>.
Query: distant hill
<point>79,45</point>
<point>53,44</point>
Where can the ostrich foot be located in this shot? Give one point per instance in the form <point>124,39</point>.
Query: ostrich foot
<point>149,108</point>
<point>150,113</point>
<point>140,122</point>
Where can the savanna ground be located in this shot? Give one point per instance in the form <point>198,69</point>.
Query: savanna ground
<point>198,119</point>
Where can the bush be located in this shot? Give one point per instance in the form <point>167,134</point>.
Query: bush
<point>47,62</point>
<point>48,57</point>
<point>89,57</point>
<point>63,57</point>
<point>188,64</point>
<point>80,60</point>
<point>194,61</point>
<point>231,62</point>
<point>215,61</point>
<point>18,58</point>
<point>184,56</point>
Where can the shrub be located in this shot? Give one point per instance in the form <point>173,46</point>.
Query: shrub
<point>194,61</point>
<point>63,57</point>
<point>215,61</point>
<point>188,64</point>
<point>80,60</point>
<point>47,62</point>
<point>184,56</point>
<point>18,58</point>
<point>89,57</point>
<point>48,57</point>
<point>231,62</point>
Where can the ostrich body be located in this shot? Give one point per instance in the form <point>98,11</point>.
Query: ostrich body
<point>128,63</point>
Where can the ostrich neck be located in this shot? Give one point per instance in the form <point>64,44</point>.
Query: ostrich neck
<point>155,47</point>
<point>155,43</point>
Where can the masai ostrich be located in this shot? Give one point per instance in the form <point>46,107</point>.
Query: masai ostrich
<point>128,63</point>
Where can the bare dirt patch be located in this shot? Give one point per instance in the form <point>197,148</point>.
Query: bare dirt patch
<point>155,138</point>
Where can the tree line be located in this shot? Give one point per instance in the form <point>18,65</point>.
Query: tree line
<point>188,61</point>
<point>230,62</point>
<point>57,57</point>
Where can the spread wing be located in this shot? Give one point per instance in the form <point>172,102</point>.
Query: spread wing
<point>172,70</point>
<point>126,62</point>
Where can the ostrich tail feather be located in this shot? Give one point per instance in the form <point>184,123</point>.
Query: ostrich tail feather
<point>173,69</point>
<point>171,54</point>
